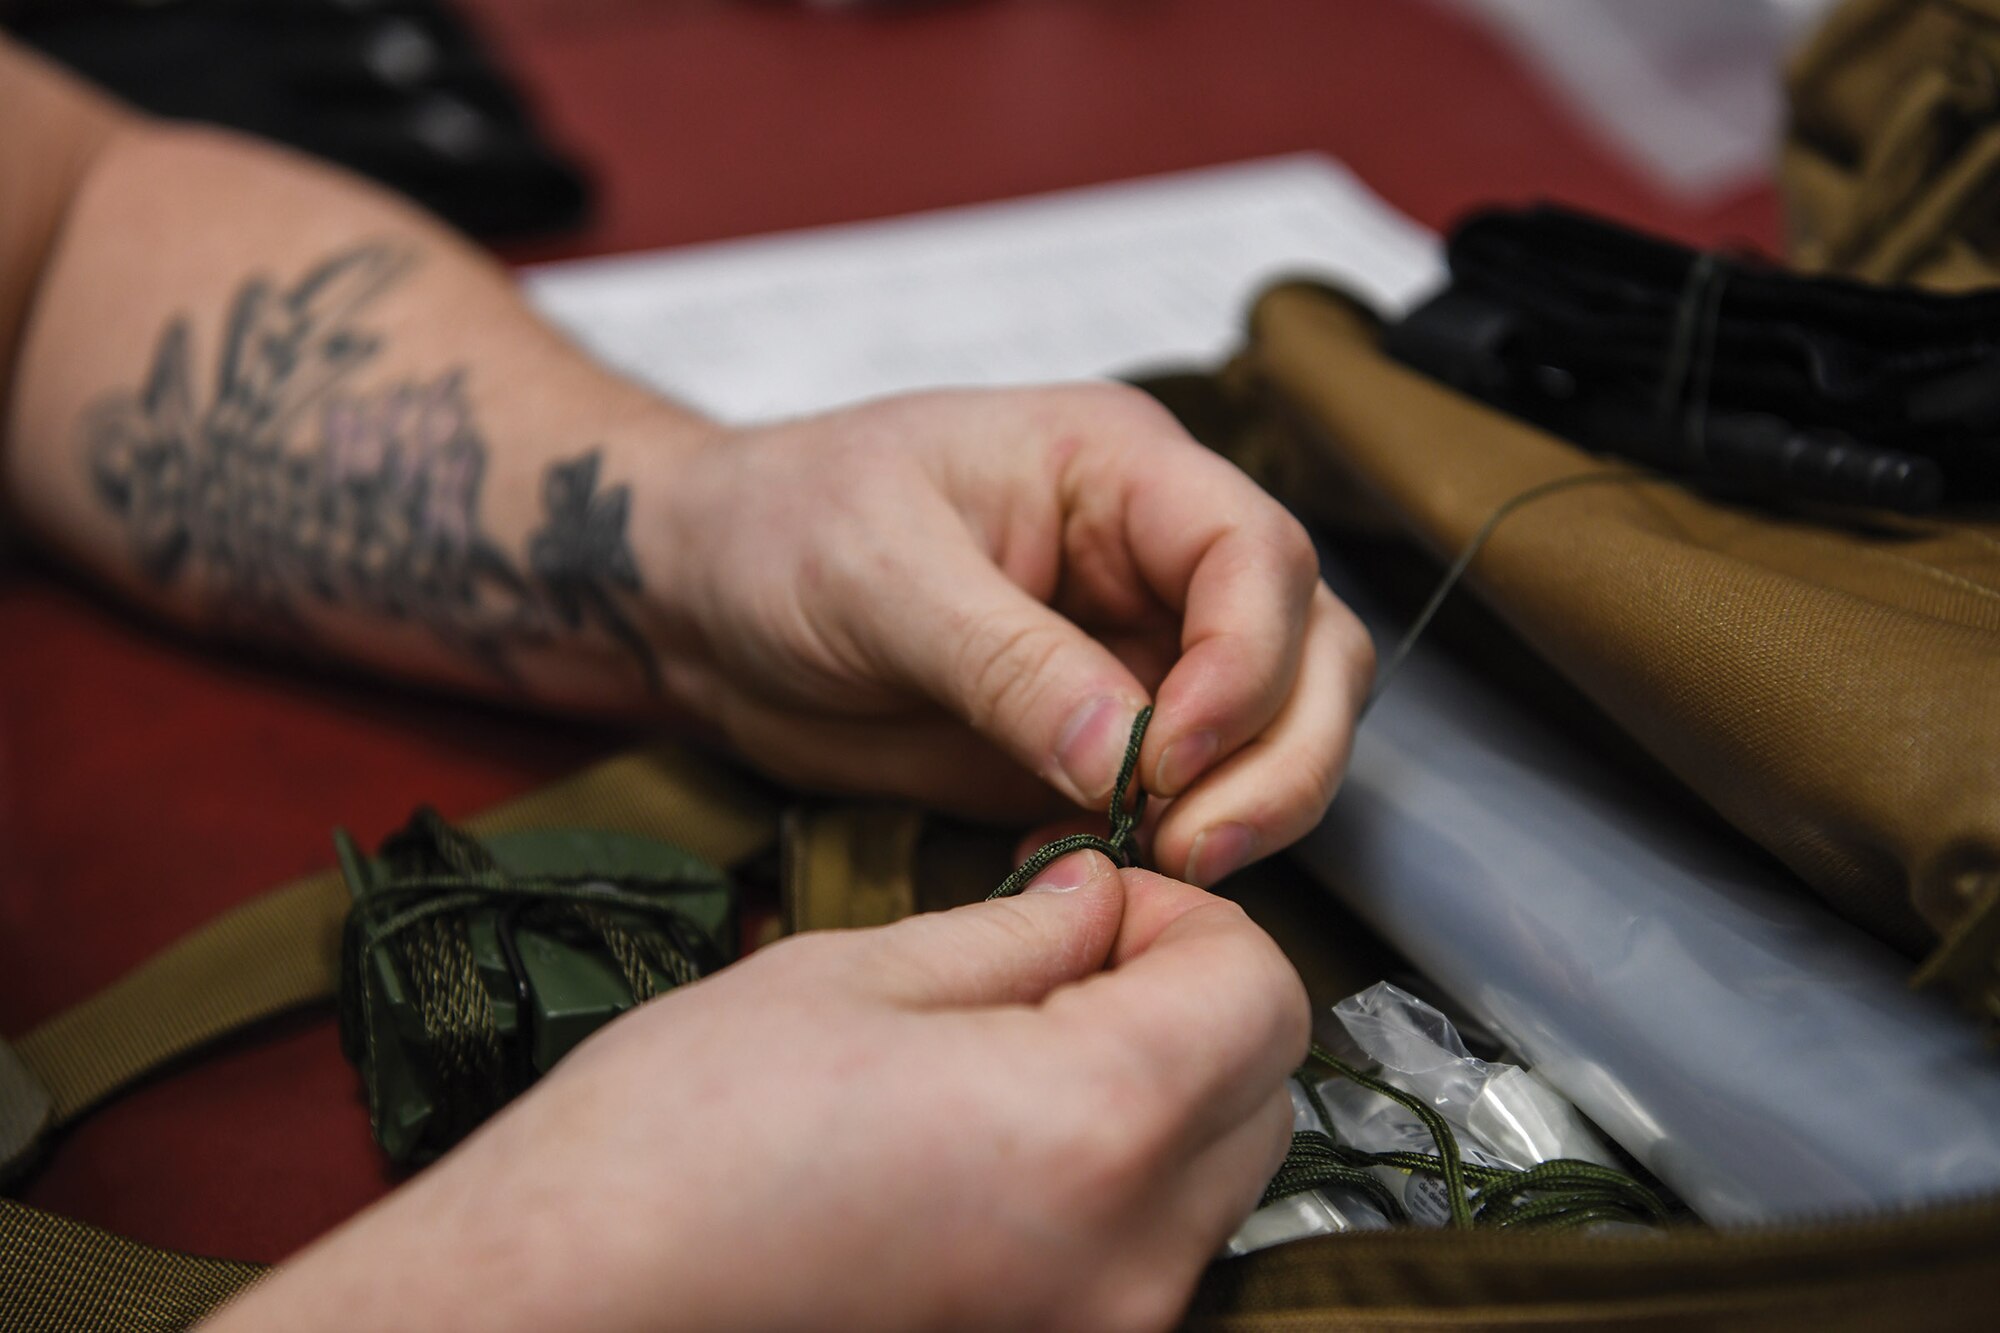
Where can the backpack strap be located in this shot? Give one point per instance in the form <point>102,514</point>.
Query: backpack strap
<point>63,1275</point>
<point>282,950</point>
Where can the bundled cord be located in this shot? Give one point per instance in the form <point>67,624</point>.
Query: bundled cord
<point>465,978</point>
<point>1552,1195</point>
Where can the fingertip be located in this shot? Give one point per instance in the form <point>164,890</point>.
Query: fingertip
<point>1184,760</point>
<point>1011,950</point>
<point>1075,871</point>
<point>1153,902</point>
<point>1090,748</point>
<point>1219,852</point>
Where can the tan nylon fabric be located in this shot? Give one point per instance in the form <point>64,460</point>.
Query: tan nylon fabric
<point>283,949</point>
<point>59,1276</point>
<point>271,954</point>
<point>1831,690</point>
<point>1891,168</point>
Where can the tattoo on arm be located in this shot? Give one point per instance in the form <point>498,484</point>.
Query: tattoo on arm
<point>287,490</point>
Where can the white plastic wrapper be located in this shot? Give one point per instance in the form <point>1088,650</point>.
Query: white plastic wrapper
<point>1500,1114</point>
<point>1762,1057</point>
<point>1501,1111</point>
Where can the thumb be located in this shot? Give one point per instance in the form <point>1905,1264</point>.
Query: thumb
<point>1025,677</point>
<point>1060,929</point>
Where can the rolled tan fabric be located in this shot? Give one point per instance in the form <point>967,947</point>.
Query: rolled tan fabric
<point>1832,688</point>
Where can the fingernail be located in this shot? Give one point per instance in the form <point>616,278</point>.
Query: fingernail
<point>1183,762</point>
<point>1220,852</point>
<point>1070,872</point>
<point>1092,744</point>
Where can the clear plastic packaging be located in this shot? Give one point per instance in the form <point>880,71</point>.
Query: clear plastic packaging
<point>1501,1115</point>
<point>1503,1108</point>
<point>1313,1213</point>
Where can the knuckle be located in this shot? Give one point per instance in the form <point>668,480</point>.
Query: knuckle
<point>849,554</point>
<point>1005,666</point>
<point>1091,1157</point>
<point>1270,1001</point>
<point>1311,775</point>
<point>1282,1010</point>
<point>1291,1016</point>
<point>1361,652</point>
<point>1351,638</point>
<point>1139,1093</point>
<point>1134,412</point>
<point>1112,396</point>
<point>1297,556</point>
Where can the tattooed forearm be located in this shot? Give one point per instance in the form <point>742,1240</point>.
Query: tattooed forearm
<point>288,489</point>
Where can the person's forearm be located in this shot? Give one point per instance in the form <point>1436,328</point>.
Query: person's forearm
<point>266,398</point>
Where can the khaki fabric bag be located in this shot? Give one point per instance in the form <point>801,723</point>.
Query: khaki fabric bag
<point>1829,684</point>
<point>1826,684</point>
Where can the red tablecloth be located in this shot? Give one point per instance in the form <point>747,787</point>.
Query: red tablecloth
<point>147,782</point>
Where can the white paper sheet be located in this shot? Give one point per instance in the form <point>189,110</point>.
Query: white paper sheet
<point>1079,284</point>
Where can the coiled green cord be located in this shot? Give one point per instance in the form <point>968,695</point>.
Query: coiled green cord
<point>1552,1195</point>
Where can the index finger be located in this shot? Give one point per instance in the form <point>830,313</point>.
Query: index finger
<point>1198,997</point>
<point>1240,571</point>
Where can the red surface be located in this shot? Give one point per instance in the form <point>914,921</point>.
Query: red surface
<point>146,783</point>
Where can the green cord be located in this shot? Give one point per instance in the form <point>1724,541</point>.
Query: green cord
<point>1451,1169</point>
<point>1316,1161</point>
<point>1124,823</point>
<point>1568,1193</point>
<point>1393,662</point>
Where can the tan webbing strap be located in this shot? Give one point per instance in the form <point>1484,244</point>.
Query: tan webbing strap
<point>283,949</point>
<point>850,865</point>
<point>64,1277</point>
<point>264,957</point>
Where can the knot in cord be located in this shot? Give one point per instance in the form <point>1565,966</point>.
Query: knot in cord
<point>1119,846</point>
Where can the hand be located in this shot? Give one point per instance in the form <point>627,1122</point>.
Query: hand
<point>942,595</point>
<point>1043,1112</point>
